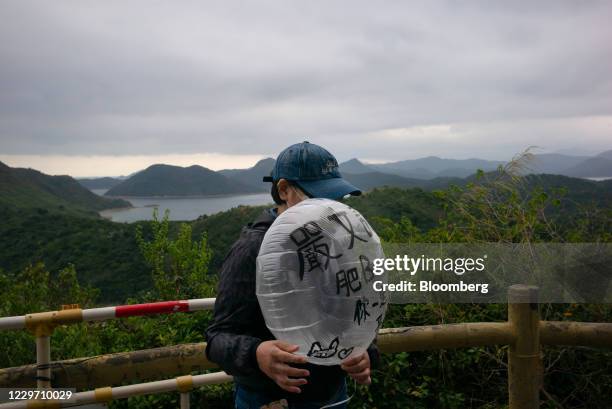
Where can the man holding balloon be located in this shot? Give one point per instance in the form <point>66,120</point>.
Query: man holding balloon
<point>272,372</point>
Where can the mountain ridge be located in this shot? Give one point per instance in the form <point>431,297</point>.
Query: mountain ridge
<point>252,176</point>
<point>30,188</point>
<point>170,180</point>
<point>428,172</point>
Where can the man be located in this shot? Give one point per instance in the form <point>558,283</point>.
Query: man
<point>267,372</point>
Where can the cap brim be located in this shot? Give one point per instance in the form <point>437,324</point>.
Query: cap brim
<point>334,188</point>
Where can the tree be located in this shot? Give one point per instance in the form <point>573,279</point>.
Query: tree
<point>179,266</point>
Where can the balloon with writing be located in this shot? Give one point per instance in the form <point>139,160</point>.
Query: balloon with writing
<point>314,280</point>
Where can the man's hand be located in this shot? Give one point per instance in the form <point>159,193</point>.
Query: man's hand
<point>274,357</point>
<point>358,368</point>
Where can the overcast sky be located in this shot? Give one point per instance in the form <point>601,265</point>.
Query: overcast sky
<point>107,87</point>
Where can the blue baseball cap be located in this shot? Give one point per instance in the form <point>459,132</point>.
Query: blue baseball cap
<point>314,170</point>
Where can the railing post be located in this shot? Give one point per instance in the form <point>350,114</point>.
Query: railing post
<point>43,358</point>
<point>524,355</point>
<point>185,385</point>
<point>41,326</point>
<point>185,401</point>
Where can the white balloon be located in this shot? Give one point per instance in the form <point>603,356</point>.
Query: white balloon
<point>314,280</point>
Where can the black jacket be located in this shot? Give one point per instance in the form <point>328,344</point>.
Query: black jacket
<point>238,325</point>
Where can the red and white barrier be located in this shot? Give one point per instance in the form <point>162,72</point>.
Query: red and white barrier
<point>121,311</point>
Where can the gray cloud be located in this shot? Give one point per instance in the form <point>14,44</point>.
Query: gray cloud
<point>143,77</point>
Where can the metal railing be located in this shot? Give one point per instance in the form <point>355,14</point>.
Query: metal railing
<point>42,324</point>
<point>523,332</point>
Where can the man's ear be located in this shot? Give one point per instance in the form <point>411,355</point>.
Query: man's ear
<point>283,186</point>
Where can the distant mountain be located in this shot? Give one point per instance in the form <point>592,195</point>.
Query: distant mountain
<point>355,167</point>
<point>99,183</point>
<point>361,175</point>
<point>428,173</point>
<point>167,180</point>
<point>371,180</point>
<point>599,166</point>
<point>553,163</point>
<point>549,163</point>
<point>252,176</point>
<point>29,188</point>
<point>416,173</point>
<point>455,173</point>
<point>606,154</point>
<point>355,171</point>
<point>433,166</point>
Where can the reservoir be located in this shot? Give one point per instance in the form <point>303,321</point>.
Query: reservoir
<point>181,208</point>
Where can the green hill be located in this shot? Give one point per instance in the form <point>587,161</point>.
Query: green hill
<point>578,192</point>
<point>421,207</point>
<point>167,180</point>
<point>29,188</point>
<point>223,229</point>
<point>105,254</point>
